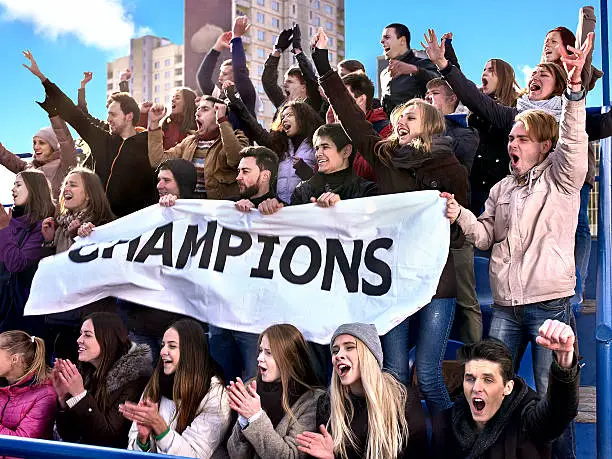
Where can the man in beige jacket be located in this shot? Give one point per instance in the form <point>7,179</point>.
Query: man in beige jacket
<point>530,220</point>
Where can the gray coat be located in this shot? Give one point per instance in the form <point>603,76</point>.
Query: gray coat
<point>260,440</point>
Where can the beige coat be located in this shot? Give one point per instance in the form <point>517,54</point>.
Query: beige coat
<point>220,165</point>
<point>55,170</point>
<point>260,440</point>
<point>531,228</point>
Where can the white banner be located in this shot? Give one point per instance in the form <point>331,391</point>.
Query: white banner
<point>373,260</point>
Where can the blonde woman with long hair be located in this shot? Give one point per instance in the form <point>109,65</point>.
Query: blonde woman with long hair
<point>280,403</point>
<point>367,413</point>
<point>27,397</point>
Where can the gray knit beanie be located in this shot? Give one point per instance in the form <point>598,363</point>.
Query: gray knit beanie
<point>366,333</point>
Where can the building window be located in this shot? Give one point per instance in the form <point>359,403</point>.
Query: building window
<point>262,107</point>
<point>260,88</point>
<point>331,56</point>
<point>261,2</point>
<point>156,64</point>
<point>166,74</point>
<point>117,74</point>
<point>178,83</point>
<point>109,75</point>
<point>276,22</point>
<point>261,18</point>
<point>317,21</point>
<point>109,87</point>
<point>328,9</point>
<point>329,25</point>
<point>261,52</point>
<point>261,35</point>
<point>178,71</point>
<point>274,37</point>
<point>156,88</point>
<point>330,41</point>
<point>260,69</point>
<point>156,76</point>
<point>317,4</point>
<point>275,5</point>
<point>157,100</point>
<point>293,9</point>
<point>167,63</point>
<point>178,59</point>
<point>167,86</point>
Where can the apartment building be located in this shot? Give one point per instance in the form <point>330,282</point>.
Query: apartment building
<point>157,68</point>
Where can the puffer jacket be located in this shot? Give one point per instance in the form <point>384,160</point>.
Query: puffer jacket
<point>402,88</point>
<point>27,410</point>
<point>88,423</point>
<point>56,169</point>
<point>344,183</point>
<point>531,226</point>
<point>220,165</point>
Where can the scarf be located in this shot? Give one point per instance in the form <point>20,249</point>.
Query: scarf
<point>271,396</point>
<point>208,135</point>
<point>64,220</point>
<point>411,157</point>
<point>166,384</point>
<point>551,106</point>
<point>18,211</point>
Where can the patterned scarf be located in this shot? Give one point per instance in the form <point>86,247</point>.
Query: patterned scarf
<point>552,106</point>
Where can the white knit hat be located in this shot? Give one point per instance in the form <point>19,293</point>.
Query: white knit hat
<point>48,136</point>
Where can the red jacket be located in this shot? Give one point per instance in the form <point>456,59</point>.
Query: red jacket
<point>27,410</point>
<point>381,124</point>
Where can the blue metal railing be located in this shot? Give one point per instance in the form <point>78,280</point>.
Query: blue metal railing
<point>44,449</point>
<point>603,330</point>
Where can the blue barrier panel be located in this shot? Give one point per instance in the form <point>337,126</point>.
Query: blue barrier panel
<point>24,155</point>
<point>603,330</point>
<point>30,448</point>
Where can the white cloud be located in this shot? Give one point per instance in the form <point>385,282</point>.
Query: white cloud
<point>104,24</point>
<point>527,71</point>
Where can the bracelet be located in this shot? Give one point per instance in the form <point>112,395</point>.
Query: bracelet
<point>145,447</point>
<point>163,434</point>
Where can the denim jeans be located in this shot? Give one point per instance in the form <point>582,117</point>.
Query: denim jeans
<point>515,326</point>
<point>582,250</point>
<point>236,352</point>
<point>435,323</point>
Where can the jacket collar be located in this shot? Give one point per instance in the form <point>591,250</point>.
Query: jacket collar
<point>130,367</point>
<point>534,173</point>
<point>476,441</point>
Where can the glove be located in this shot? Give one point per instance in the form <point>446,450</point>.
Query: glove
<point>283,40</point>
<point>48,107</point>
<point>297,37</point>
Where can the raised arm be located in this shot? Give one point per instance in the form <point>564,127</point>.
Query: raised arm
<point>467,92</point>
<point>243,83</point>
<point>68,154</point>
<point>233,141</point>
<point>91,132</point>
<point>11,161</point>
<point>353,120</point>
<point>269,78</point>
<point>207,67</point>
<point>81,100</point>
<point>586,25</point>
<point>310,78</point>
<point>155,138</point>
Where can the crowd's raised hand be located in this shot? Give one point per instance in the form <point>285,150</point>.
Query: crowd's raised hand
<point>241,26</point>
<point>223,41</point>
<point>435,51</point>
<point>87,77</point>
<point>33,67</point>
<point>573,63</point>
<point>156,113</point>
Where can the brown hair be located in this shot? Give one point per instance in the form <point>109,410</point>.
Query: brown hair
<point>112,336</point>
<point>352,65</point>
<point>308,121</point>
<point>290,352</point>
<point>567,38</point>
<point>508,90</point>
<point>540,126</point>
<point>559,74</point>
<point>127,103</point>
<point>296,72</point>
<point>189,109</point>
<point>194,372</point>
<point>98,207</point>
<point>491,350</point>
<point>432,122</point>
<point>32,352</point>
<point>39,204</point>
<point>360,84</point>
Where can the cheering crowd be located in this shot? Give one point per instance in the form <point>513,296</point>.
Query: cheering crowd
<point>516,180</point>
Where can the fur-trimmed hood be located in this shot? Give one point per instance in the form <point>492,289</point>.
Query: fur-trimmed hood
<point>136,364</point>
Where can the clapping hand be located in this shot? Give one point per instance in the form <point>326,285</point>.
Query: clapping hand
<point>319,445</point>
<point>244,399</point>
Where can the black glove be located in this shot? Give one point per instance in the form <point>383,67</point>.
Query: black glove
<point>47,106</point>
<point>297,37</point>
<point>283,40</point>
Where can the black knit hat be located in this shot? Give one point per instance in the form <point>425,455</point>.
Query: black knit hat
<point>184,173</point>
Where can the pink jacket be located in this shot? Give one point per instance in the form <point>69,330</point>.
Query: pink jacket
<point>27,410</point>
<point>55,170</point>
<point>531,227</point>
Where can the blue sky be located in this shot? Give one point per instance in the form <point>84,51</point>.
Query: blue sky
<point>71,36</point>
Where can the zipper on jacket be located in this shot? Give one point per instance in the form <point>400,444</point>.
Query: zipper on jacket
<point>113,166</point>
